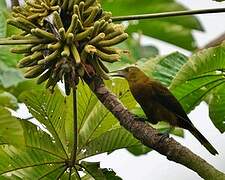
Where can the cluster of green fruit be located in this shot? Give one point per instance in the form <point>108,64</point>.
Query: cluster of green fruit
<point>65,39</point>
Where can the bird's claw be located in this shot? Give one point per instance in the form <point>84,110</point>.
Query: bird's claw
<point>164,135</point>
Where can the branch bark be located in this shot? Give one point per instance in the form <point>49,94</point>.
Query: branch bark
<point>150,137</point>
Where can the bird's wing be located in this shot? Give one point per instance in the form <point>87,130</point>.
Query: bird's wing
<point>168,100</point>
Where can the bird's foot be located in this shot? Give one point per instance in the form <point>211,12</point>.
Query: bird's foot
<point>164,135</point>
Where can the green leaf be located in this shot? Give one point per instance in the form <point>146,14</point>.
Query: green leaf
<point>25,86</point>
<point>136,50</point>
<point>8,58</point>
<point>164,68</point>
<point>3,24</point>
<point>139,150</point>
<point>132,7</point>
<point>8,100</point>
<point>95,172</point>
<point>11,131</point>
<point>37,139</point>
<point>200,63</point>
<point>9,76</point>
<point>42,151</point>
<point>35,156</point>
<point>50,110</point>
<point>26,163</point>
<point>109,141</point>
<point>3,4</point>
<point>199,77</point>
<point>174,34</point>
<point>216,108</point>
<point>176,30</point>
<point>191,93</point>
<point>99,120</point>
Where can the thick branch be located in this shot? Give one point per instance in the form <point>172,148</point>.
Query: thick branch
<point>149,136</point>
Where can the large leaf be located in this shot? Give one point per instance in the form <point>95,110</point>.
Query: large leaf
<point>3,4</point>
<point>216,108</point>
<point>109,141</point>
<point>25,86</point>
<point>8,100</point>
<point>94,172</point>
<point>164,68</point>
<point>99,120</point>
<point>3,25</point>
<point>176,30</point>
<point>50,110</point>
<point>38,139</point>
<point>191,93</point>
<point>26,163</point>
<point>200,63</point>
<point>42,153</point>
<point>8,58</point>
<point>9,76</point>
<point>11,131</point>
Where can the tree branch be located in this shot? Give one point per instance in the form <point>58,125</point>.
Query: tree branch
<point>150,137</point>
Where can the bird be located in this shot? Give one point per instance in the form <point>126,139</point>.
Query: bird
<point>158,103</point>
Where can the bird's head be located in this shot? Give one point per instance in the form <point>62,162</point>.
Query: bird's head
<point>131,74</point>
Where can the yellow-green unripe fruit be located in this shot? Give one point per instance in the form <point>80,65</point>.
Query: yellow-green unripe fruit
<point>63,37</point>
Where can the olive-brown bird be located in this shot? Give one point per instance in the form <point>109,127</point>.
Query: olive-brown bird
<point>159,104</point>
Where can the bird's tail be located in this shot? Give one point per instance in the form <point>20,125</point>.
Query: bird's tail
<point>203,140</point>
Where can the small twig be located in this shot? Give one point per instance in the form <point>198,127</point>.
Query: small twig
<point>167,14</point>
<point>150,137</point>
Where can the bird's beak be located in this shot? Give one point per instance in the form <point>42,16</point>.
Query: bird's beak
<point>118,73</point>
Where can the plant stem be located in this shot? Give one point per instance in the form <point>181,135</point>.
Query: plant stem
<point>74,149</point>
<point>167,14</point>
